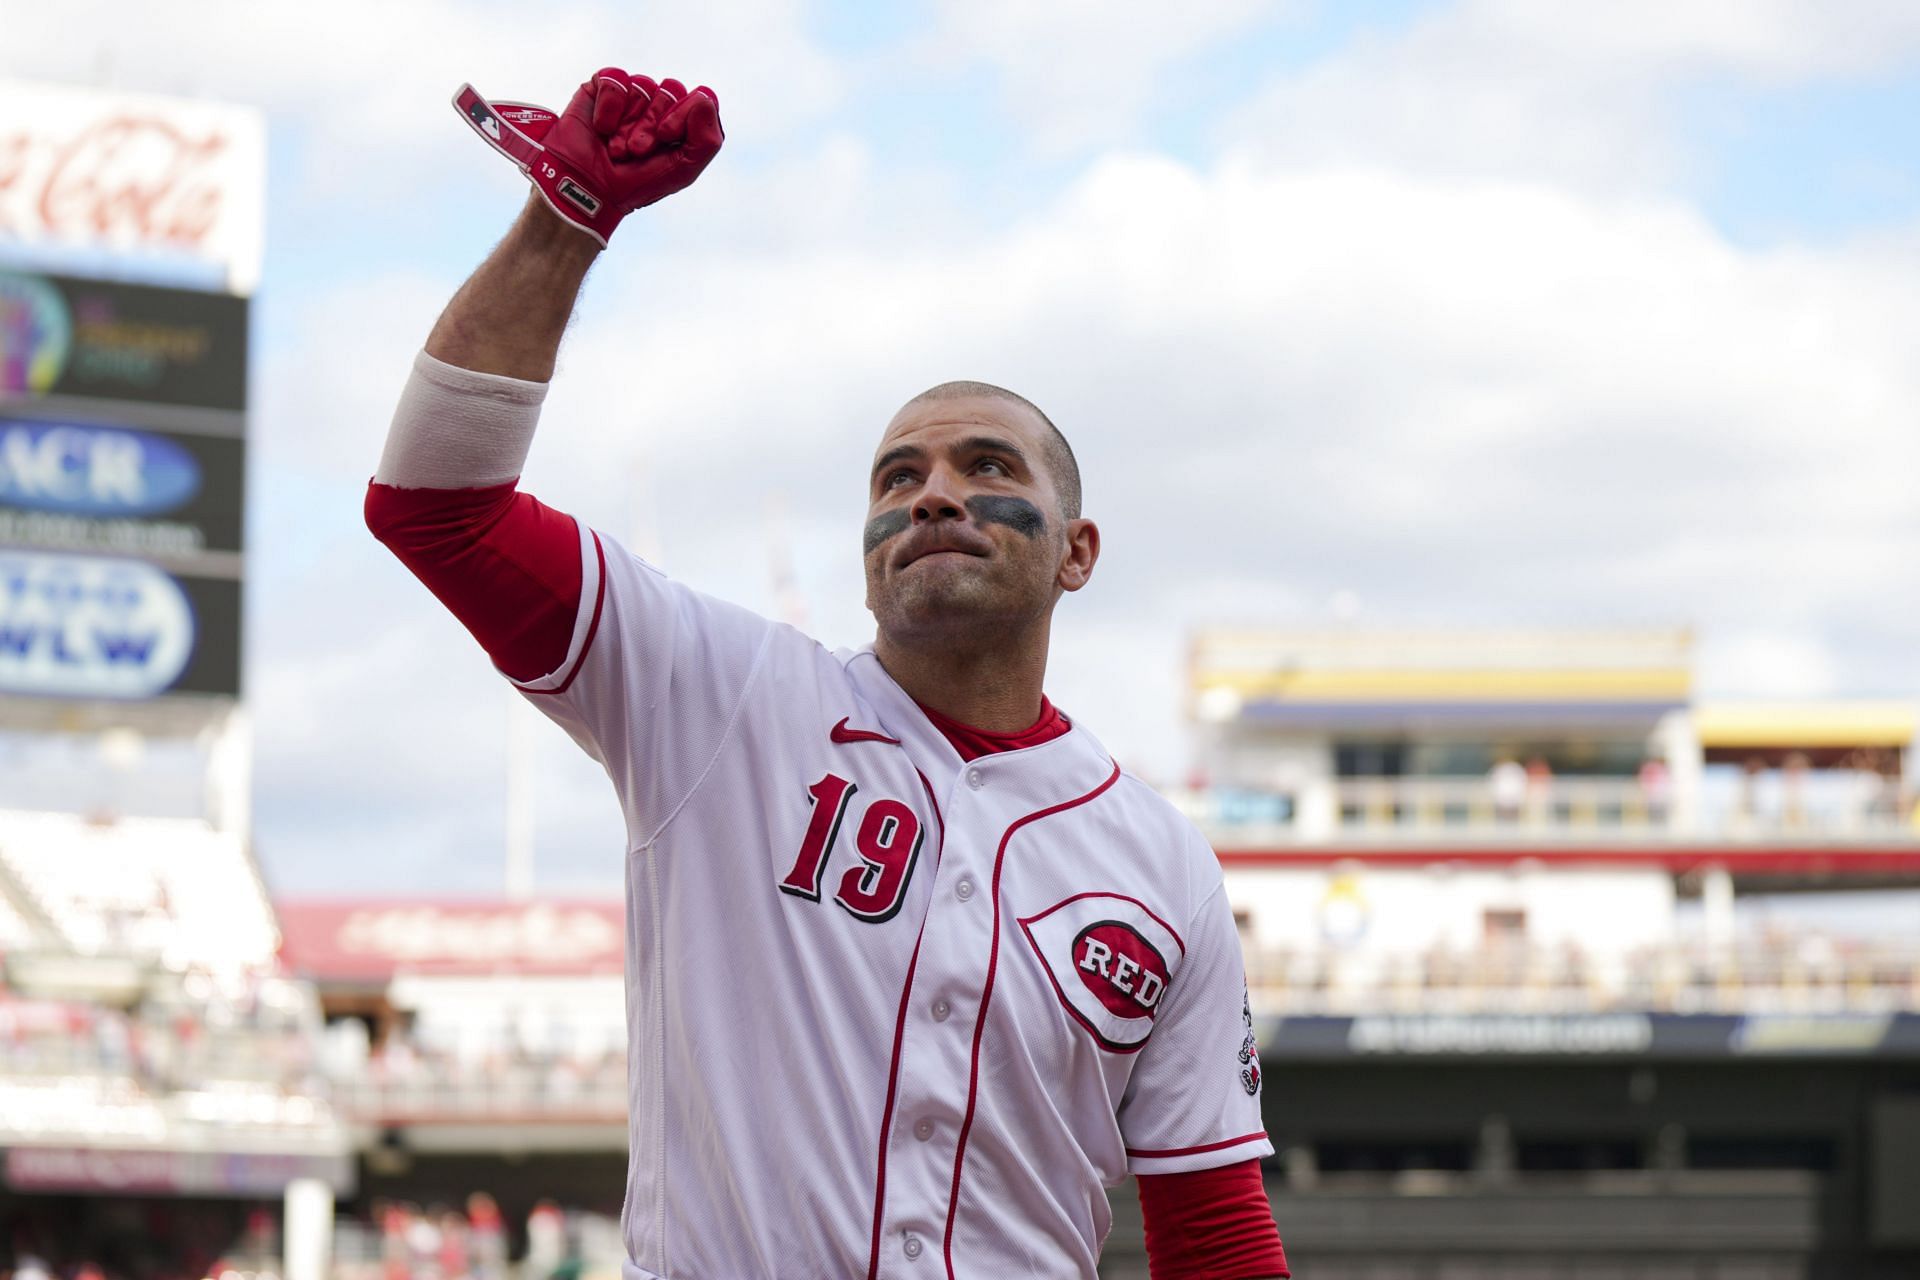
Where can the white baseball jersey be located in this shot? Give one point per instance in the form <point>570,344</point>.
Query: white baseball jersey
<point>892,1014</point>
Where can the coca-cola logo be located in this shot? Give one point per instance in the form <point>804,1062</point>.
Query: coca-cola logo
<point>124,178</point>
<point>156,179</point>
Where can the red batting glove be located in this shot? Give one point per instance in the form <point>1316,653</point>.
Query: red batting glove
<point>622,143</point>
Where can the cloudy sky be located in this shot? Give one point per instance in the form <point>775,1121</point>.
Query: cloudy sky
<point>1475,312</point>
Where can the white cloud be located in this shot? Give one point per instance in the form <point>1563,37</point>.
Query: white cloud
<point>1080,72</point>
<point>1767,664</point>
<point>1581,95</point>
<point>1784,39</point>
<point>363,86</point>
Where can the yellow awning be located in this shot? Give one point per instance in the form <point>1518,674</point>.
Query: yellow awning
<point>1805,724</point>
<point>1389,686</point>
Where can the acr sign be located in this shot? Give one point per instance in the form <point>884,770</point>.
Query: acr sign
<point>94,471</point>
<point>133,174</point>
<point>94,627</point>
<point>79,486</point>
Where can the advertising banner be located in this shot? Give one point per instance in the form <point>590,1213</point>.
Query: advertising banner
<point>98,340</point>
<point>110,1171</point>
<point>133,175</point>
<point>70,485</point>
<point>78,626</point>
<point>371,941</point>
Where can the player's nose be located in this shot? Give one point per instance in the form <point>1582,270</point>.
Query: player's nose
<point>940,497</point>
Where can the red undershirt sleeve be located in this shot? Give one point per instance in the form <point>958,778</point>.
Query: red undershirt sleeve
<point>506,565</point>
<point>1210,1224</point>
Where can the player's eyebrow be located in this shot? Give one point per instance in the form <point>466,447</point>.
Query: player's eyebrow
<point>994,444</point>
<point>970,445</point>
<point>899,453</point>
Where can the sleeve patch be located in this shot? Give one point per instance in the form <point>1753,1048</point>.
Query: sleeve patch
<point>1249,1047</point>
<point>1110,960</point>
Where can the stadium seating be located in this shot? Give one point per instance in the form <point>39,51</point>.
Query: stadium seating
<point>168,889</point>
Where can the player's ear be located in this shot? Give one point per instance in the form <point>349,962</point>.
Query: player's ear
<point>1083,548</point>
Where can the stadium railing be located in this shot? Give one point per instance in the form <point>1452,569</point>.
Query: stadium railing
<point>1430,807</point>
<point>1806,974</point>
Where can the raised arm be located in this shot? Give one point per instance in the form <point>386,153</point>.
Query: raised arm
<point>444,498</point>
<point>623,143</point>
<point>508,318</point>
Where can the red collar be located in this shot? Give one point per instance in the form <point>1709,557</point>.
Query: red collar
<point>973,743</point>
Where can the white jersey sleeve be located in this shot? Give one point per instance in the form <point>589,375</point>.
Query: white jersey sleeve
<point>1193,1101</point>
<point>653,681</point>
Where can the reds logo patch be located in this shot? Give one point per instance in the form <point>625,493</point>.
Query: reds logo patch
<point>1121,968</point>
<point>1111,961</point>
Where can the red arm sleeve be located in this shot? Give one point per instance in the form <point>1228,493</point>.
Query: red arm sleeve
<point>503,563</point>
<point>1210,1224</point>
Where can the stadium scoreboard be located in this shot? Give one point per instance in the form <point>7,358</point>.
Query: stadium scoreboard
<point>122,488</point>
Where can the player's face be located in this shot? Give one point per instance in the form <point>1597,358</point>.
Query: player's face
<point>964,528</point>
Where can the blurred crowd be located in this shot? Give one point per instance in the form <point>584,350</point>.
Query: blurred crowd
<point>390,1240</point>
<point>1774,970</point>
<point>403,1241</point>
<point>127,1239</point>
<point>182,1031</point>
<point>410,1077</point>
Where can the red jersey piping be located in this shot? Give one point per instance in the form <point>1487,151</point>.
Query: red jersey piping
<point>1142,1154</point>
<point>593,627</point>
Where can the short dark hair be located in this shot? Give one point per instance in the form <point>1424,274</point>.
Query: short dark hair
<point>1061,463</point>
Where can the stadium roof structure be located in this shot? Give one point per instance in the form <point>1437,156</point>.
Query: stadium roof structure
<point>1346,678</point>
<point>1552,747</point>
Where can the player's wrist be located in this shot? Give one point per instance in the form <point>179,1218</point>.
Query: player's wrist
<point>542,229</point>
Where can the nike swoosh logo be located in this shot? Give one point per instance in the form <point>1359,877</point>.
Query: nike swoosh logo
<point>840,733</point>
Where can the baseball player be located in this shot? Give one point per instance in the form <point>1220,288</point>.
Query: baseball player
<point>914,970</point>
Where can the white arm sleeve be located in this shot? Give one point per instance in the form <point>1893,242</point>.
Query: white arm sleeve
<point>459,429</point>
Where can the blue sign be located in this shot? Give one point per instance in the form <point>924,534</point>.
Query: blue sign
<point>93,471</point>
<point>90,627</point>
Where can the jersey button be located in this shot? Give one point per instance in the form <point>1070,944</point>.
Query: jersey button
<point>923,1130</point>
<point>963,890</point>
<point>976,779</point>
<point>911,1246</point>
<point>940,1010</point>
